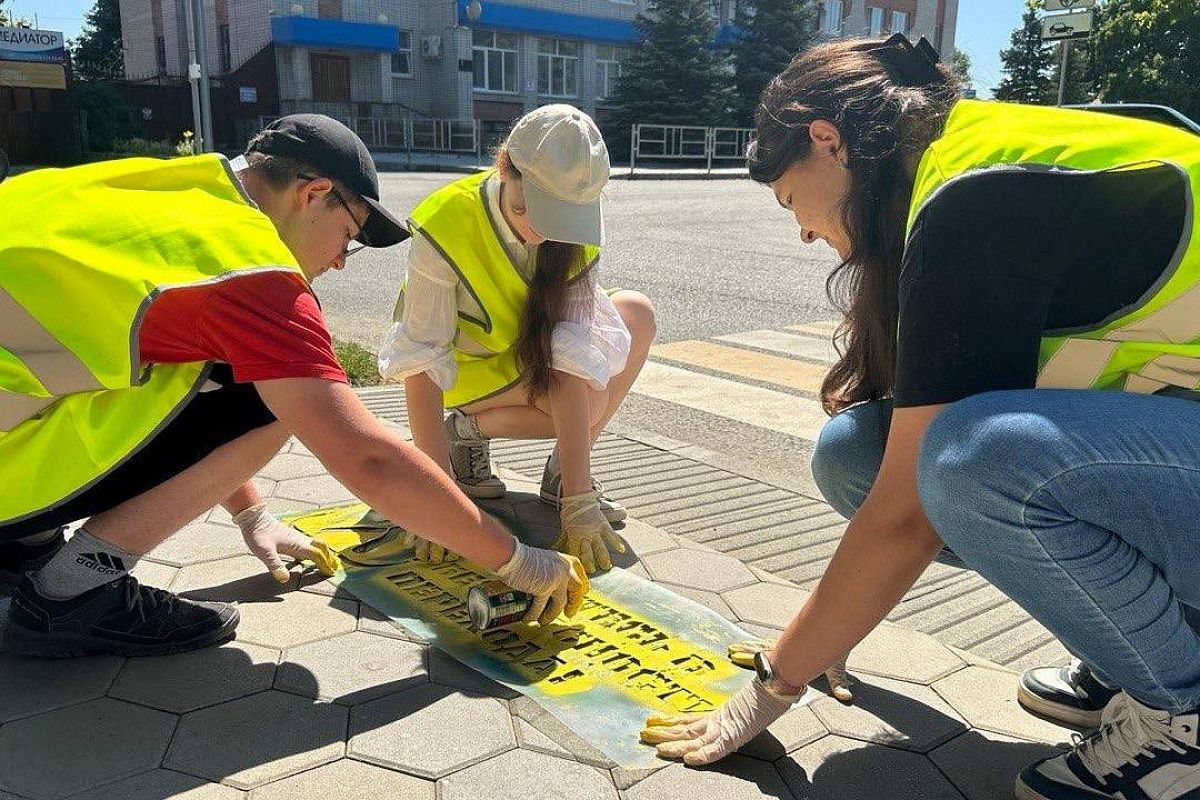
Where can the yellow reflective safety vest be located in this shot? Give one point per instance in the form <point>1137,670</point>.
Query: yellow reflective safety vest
<point>83,252</point>
<point>1155,343</point>
<point>457,221</point>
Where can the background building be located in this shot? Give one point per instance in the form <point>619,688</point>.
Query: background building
<point>382,65</point>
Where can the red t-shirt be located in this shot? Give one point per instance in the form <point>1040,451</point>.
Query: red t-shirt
<point>265,325</point>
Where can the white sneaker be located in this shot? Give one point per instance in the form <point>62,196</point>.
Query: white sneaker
<point>471,460</point>
<point>1139,753</point>
<point>551,492</point>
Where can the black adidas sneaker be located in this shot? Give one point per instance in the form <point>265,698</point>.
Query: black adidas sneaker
<point>1139,753</point>
<point>121,617</point>
<point>1070,695</point>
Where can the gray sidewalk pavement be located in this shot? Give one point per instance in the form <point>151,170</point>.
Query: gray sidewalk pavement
<point>321,697</point>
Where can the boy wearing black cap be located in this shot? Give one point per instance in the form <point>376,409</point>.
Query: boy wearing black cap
<point>198,273</point>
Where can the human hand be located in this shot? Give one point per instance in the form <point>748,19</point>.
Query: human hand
<point>556,581</point>
<point>704,738</point>
<point>586,534</point>
<point>742,654</point>
<point>268,539</point>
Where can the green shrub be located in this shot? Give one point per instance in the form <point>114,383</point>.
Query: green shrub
<point>360,364</point>
<point>143,147</point>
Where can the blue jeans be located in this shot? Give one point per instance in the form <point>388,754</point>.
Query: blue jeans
<point>1082,506</point>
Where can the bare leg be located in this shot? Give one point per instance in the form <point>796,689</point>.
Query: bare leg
<point>141,523</point>
<point>637,312</point>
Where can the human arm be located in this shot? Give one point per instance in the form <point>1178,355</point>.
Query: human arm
<point>406,486</point>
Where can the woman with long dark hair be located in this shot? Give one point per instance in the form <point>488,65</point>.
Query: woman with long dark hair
<point>1020,355</point>
<point>503,321</point>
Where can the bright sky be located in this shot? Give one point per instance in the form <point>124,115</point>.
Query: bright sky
<point>984,27</point>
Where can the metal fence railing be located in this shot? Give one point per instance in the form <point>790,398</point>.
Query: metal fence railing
<point>452,136</point>
<point>653,142</point>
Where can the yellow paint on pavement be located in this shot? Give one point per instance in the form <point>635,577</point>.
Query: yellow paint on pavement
<point>763,367</point>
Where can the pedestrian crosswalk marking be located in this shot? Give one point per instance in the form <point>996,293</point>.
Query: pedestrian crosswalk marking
<point>763,367</point>
<point>788,344</point>
<point>821,328</point>
<point>751,405</point>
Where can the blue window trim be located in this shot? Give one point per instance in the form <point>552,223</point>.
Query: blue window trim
<point>337,33</point>
<point>524,19</point>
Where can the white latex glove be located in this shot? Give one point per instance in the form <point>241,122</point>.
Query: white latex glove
<point>425,550</point>
<point>268,539</point>
<point>586,534</point>
<point>742,654</point>
<point>704,738</point>
<point>556,581</point>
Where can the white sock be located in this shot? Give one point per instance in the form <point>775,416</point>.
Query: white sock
<point>83,563</point>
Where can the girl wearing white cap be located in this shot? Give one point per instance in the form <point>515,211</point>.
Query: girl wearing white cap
<point>502,320</point>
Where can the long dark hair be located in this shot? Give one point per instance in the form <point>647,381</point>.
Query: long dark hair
<point>546,304</point>
<point>889,100</point>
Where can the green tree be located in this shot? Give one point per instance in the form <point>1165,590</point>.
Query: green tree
<point>1149,51</point>
<point>97,53</point>
<point>674,74</point>
<point>772,33</point>
<point>1028,63</point>
<point>960,62</point>
<point>11,20</point>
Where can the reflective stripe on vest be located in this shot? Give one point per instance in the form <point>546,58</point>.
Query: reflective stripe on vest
<point>83,252</point>
<point>456,220</point>
<point>1155,342</point>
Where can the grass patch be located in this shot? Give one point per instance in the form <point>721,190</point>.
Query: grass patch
<point>360,363</point>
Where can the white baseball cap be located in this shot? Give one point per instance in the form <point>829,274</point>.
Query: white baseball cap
<point>563,163</point>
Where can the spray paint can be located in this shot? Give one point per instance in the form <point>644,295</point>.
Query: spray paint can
<point>493,603</point>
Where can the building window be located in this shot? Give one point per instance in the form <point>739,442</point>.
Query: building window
<point>831,19</point>
<point>402,59</point>
<point>226,50</point>
<point>160,54</point>
<point>558,68</point>
<point>495,61</point>
<point>329,9</point>
<point>899,22</point>
<point>876,20</point>
<point>608,69</point>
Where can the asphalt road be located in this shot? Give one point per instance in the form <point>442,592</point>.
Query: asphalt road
<point>715,257</point>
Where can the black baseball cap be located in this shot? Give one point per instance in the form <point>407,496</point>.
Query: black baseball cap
<point>337,153</point>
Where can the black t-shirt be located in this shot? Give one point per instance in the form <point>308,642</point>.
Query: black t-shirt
<point>998,257</point>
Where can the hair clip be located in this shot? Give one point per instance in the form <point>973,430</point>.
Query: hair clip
<point>915,65</point>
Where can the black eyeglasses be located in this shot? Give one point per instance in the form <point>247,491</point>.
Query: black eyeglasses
<point>350,250</point>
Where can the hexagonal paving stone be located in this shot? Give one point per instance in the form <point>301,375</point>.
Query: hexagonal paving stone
<point>644,539</point>
<point>711,600</point>
<point>834,768</point>
<point>200,542</point>
<point>522,775</point>
<point>984,765</point>
<point>430,731</point>
<point>35,685</point>
<point>158,784</point>
<point>230,580</point>
<point>348,780</point>
<point>766,603</point>
<point>106,740</point>
<point>375,622</point>
<point>322,489</point>
<point>300,617</point>
<point>151,573</point>
<point>894,713</point>
<point>550,727</point>
<point>201,678</point>
<point>531,738</point>
<point>287,466</point>
<point>790,732</point>
<point>895,652</point>
<point>699,569</point>
<point>258,739</point>
<point>987,699</point>
<point>733,778</point>
<point>353,668</point>
<point>446,670</point>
